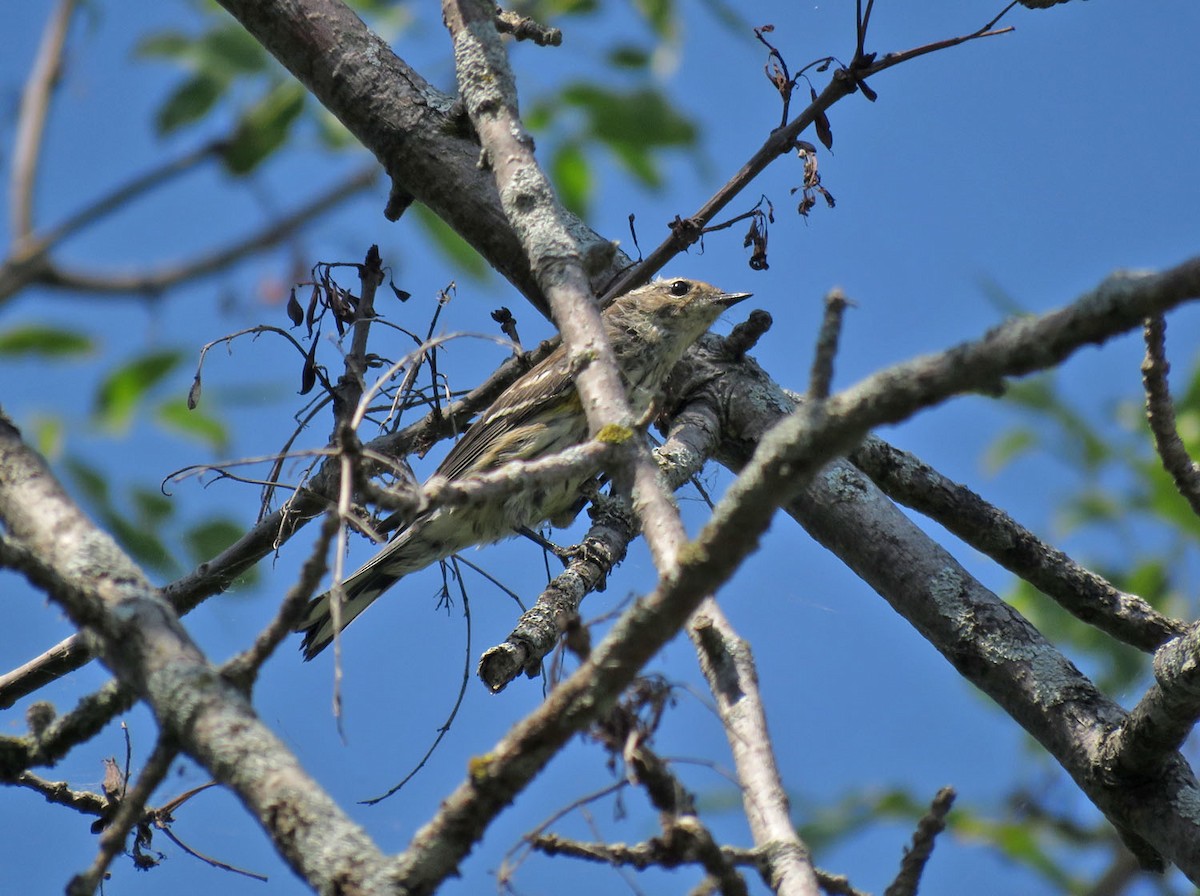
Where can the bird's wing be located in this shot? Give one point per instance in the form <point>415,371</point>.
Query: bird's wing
<point>484,446</point>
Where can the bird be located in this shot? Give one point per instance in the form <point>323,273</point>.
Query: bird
<point>540,414</point>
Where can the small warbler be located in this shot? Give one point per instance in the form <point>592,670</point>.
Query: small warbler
<point>540,414</point>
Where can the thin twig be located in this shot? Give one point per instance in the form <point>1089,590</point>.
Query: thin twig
<point>31,120</point>
<point>1160,414</point>
<point>17,274</point>
<point>243,668</point>
<point>912,866</point>
<point>781,141</point>
<point>821,376</point>
<point>444,728</point>
<point>129,812</point>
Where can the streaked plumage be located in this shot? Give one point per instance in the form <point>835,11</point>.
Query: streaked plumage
<point>538,415</point>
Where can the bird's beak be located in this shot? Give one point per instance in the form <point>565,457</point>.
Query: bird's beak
<point>729,299</point>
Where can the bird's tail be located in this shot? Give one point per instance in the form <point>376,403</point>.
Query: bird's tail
<point>425,542</point>
<point>358,593</point>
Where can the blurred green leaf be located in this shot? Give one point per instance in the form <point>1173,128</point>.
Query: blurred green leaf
<point>1091,506</point>
<point>331,132</point>
<point>140,541</point>
<point>631,124</point>
<point>641,117</point>
<point>660,14</point>
<point>43,341</point>
<point>152,506</point>
<point>629,56</point>
<point>137,536</point>
<point>1191,394</point>
<point>189,102</point>
<point>174,415</point>
<point>1080,443</point>
<point>572,177</point>
<point>453,246</point>
<point>223,51</point>
<point>49,435</point>
<point>828,823</point>
<point>545,10</point>
<point>122,390</point>
<point>537,116</point>
<point>731,18</point>
<point>1022,841</point>
<point>173,45</point>
<point>89,480</point>
<point>1162,500</point>
<point>264,127</point>
<point>1008,447</point>
<point>639,162</point>
<point>230,48</point>
<point>207,539</point>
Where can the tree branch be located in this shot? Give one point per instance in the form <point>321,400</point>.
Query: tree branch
<point>985,527</point>
<point>36,266</point>
<point>31,121</point>
<point>142,641</point>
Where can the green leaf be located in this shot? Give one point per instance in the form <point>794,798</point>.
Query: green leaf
<point>539,114</point>
<point>1091,506</point>
<point>189,102</point>
<point>43,341</point>
<point>453,246</point>
<point>572,177</point>
<point>119,393</point>
<point>1078,442</point>
<point>152,505</point>
<point>49,436</point>
<point>165,45</point>
<point>827,824</point>
<point>660,14</point>
<point>230,48</point>
<point>331,132</point>
<point>631,124</point>
<point>141,542</point>
<point>264,127</point>
<point>1022,841</point>
<point>174,415</point>
<point>639,162</point>
<point>731,18</point>
<point>640,117</point>
<point>629,56</point>
<point>1163,501</point>
<point>1008,447</point>
<point>1191,394</point>
<point>89,480</point>
<point>223,51</point>
<point>139,536</point>
<point>549,9</point>
<point>207,539</point>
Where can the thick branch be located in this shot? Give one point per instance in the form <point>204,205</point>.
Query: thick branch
<point>988,529</point>
<point>142,641</point>
<point>488,90</point>
<point>416,132</point>
<point>1146,743</point>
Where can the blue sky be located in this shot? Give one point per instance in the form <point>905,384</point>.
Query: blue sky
<point>1031,165</point>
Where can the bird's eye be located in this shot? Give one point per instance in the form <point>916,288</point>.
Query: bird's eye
<point>680,288</point>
